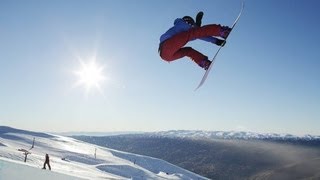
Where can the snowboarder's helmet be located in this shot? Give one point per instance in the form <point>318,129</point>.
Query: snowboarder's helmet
<point>188,20</point>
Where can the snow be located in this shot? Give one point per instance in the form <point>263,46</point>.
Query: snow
<point>74,159</point>
<point>16,171</point>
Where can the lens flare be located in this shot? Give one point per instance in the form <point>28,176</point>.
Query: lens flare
<point>90,75</point>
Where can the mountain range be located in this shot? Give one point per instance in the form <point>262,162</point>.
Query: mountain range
<point>232,135</point>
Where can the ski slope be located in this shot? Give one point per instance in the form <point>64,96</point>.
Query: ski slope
<point>73,159</point>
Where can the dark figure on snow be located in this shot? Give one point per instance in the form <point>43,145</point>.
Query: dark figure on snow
<point>47,162</point>
<point>186,29</point>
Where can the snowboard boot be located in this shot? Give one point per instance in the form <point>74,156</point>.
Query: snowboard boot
<point>225,31</point>
<point>205,64</point>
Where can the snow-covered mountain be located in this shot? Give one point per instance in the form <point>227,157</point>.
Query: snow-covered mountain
<point>79,159</point>
<point>231,135</point>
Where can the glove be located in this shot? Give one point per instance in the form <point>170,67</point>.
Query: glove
<point>220,42</point>
<point>199,18</point>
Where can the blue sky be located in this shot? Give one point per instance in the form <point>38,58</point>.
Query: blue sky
<point>266,78</point>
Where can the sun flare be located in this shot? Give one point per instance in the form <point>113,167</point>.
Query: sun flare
<point>90,75</point>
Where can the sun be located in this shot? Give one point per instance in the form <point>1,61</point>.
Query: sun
<point>90,75</point>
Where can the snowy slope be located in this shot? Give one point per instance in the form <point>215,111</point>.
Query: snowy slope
<point>12,170</point>
<point>75,158</point>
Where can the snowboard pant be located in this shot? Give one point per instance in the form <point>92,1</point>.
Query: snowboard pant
<point>46,163</point>
<point>173,48</point>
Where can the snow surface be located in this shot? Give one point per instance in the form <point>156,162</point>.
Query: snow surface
<point>11,170</point>
<point>74,159</point>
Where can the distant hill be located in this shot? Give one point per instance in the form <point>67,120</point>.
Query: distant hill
<point>224,157</point>
<point>242,135</point>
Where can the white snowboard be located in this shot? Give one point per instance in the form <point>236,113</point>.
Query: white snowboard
<point>214,57</point>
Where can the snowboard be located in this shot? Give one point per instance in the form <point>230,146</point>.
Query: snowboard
<point>214,57</point>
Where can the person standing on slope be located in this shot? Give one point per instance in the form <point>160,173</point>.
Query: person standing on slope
<point>47,162</point>
<point>185,29</point>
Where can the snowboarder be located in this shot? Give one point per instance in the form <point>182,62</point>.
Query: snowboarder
<point>185,29</point>
<point>47,162</point>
